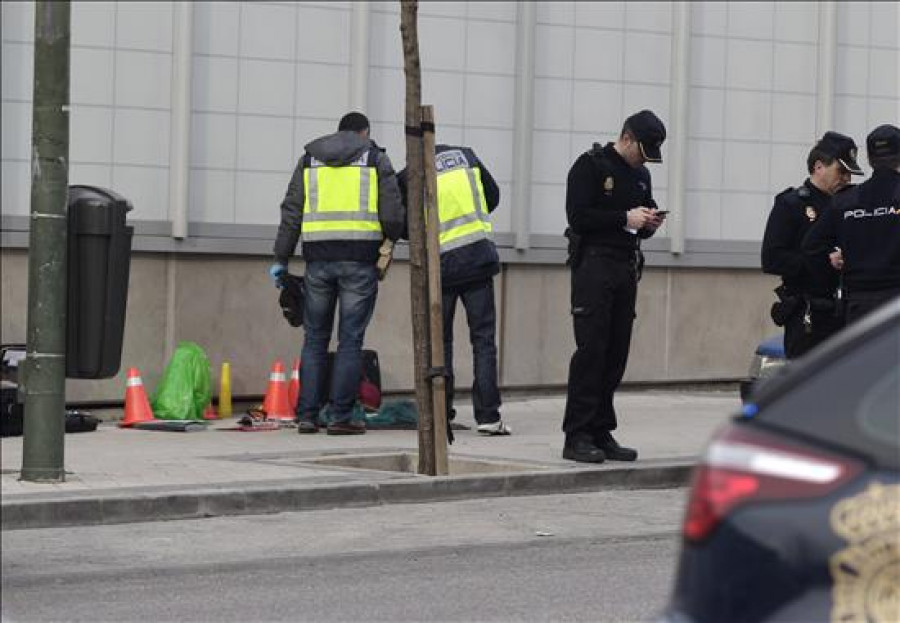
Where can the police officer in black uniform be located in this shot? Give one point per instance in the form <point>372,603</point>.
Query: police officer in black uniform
<point>807,307</point>
<point>609,207</point>
<point>864,224</point>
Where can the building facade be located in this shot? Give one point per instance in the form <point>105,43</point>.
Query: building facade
<point>198,112</point>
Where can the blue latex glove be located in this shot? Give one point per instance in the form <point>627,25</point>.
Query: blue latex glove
<point>276,272</point>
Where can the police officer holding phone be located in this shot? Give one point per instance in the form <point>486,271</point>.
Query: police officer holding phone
<point>610,208</point>
<point>807,307</point>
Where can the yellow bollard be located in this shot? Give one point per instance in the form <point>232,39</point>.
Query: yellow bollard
<point>225,392</point>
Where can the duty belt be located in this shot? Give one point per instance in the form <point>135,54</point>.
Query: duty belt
<point>614,253</point>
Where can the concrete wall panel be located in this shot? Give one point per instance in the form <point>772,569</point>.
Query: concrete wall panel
<point>537,340</point>
<point>145,323</point>
<point>692,324</point>
<point>13,295</point>
<point>649,340</point>
<point>717,318</point>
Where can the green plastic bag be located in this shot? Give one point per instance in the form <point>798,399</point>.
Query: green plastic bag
<point>184,390</point>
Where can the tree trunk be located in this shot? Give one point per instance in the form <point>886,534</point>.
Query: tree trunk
<point>416,222</point>
<point>432,245</point>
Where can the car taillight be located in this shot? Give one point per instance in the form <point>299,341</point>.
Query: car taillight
<point>743,465</point>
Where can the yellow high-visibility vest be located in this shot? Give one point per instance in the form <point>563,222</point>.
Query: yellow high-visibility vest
<point>340,203</point>
<point>462,208</point>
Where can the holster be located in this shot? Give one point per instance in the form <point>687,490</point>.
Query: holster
<point>788,304</point>
<point>822,304</point>
<point>575,248</point>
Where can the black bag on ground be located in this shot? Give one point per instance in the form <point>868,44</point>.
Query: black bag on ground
<point>370,380</point>
<point>80,422</point>
<point>12,416</point>
<point>11,411</point>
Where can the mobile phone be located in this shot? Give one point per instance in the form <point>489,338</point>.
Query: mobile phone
<point>661,212</point>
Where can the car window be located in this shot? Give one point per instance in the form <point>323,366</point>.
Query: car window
<point>879,413</point>
<point>852,402</point>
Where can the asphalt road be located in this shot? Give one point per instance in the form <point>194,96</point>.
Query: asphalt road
<point>585,557</point>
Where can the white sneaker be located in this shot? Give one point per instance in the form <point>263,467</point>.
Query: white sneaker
<point>494,428</point>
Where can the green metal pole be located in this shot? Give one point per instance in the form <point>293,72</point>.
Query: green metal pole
<point>45,364</point>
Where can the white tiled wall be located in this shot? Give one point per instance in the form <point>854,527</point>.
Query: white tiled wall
<point>268,77</point>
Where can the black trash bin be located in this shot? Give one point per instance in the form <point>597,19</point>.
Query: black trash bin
<point>99,260</point>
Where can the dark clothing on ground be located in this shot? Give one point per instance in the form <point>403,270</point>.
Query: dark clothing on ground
<point>474,262</point>
<point>865,223</point>
<point>601,188</point>
<point>478,301</point>
<point>812,319</point>
<point>338,149</point>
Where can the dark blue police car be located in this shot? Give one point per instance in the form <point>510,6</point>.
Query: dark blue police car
<point>794,510</point>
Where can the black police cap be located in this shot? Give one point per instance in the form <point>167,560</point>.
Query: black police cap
<point>649,132</point>
<point>842,148</point>
<point>883,142</point>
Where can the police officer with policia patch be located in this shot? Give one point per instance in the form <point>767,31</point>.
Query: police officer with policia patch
<point>342,200</point>
<point>807,308</point>
<point>610,208</point>
<point>466,195</point>
<point>864,224</point>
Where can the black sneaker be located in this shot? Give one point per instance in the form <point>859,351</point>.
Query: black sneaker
<point>352,427</point>
<point>583,451</point>
<point>306,427</point>
<point>611,448</point>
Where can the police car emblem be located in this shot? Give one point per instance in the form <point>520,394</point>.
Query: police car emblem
<point>866,571</point>
<point>810,213</point>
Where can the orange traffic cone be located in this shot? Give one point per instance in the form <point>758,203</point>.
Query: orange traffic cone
<point>276,403</point>
<point>294,386</point>
<point>137,407</point>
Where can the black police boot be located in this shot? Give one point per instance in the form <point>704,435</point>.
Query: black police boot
<point>583,451</point>
<point>612,449</point>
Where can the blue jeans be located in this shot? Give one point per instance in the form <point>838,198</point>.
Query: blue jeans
<point>355,285</point>
<point>478,301</point>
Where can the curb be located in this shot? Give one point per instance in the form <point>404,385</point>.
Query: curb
<point>116,508</point>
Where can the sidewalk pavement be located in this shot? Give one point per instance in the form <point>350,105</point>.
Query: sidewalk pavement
<point>119,475</point>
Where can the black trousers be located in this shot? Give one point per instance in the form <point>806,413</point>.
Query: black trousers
<point>798,340</point>
<point>478,301</point>
<point>604,288</point>
<point>862,302</point>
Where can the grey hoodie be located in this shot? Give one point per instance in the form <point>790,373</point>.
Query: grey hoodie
<point>338,149</point>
